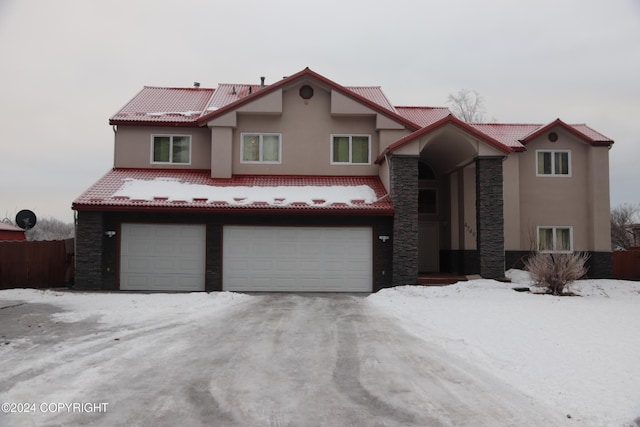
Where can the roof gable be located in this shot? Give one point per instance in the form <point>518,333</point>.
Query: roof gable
<point>448,120</point>
<point>581,131</point>
<point>370,96</point>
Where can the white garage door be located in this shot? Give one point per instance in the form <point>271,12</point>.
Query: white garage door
<point>295,259</point>
<point>162,257</point>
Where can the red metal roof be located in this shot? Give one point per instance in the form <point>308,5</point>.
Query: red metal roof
<point>507,134</point>
<point>373,94</point>
<point>424,116</point>
<point>228,93</point>
<point>196,106</point>
<point>106,194</point>
<point>164,105</point>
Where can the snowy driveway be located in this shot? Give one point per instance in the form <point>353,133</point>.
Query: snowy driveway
<point>268,360</point>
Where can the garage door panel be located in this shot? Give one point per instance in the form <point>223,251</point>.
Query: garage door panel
<point>162,257</point>
<point>265,258</point>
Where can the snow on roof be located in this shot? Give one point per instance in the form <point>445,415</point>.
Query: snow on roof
<point>165,104</point>
<point>179,189</point>
<point>8,227</point>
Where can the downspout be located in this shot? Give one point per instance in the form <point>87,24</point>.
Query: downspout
<point>115,131</point>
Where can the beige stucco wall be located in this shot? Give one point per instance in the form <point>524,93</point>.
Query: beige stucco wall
<point>306,129</point>
<point>133,147</point>
<point>221,152</point>
<point>511,194</point>
<point>599,199</point>
<point>560,200</point>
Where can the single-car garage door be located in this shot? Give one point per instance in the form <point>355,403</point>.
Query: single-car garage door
<point>297,259</point>
<point>162,257</point>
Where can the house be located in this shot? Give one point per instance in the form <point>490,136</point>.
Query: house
<point>308,185</point>
<point>11,232</point>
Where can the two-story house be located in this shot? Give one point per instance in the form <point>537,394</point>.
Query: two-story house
<point>308,185</point>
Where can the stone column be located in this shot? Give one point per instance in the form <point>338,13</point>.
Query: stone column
<point>490,216</point>
<point>404,195</point>
<point>89,235</point>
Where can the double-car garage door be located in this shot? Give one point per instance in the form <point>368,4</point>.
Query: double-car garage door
<point>254,258</point>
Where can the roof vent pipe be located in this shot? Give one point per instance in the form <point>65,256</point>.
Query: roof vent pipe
<point>261,81</point>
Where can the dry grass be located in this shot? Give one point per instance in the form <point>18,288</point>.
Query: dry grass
<point>556,270</point>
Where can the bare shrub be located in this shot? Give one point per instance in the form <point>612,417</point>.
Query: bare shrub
<point>556,270</point>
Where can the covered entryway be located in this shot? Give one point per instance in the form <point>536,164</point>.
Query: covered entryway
<point>297,259</point>
<point>162,257</point>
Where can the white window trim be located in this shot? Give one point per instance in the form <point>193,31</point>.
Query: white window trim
<point>553,159</point>
<point>554,228</point>
<point>170,162</point>
<point>350,135</point>
<point>260,134</point>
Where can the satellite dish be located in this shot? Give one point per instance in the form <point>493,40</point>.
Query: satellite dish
<point>25,219</point>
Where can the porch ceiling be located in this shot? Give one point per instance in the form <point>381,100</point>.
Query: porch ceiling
<point>448,148</point>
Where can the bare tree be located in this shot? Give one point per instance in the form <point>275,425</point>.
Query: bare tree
<point>468,106</point>
<point>50,229</point>
<point>622,217</point>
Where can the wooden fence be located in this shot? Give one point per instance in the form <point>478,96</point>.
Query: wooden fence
<point>626,264</point>
<point>36,264</point>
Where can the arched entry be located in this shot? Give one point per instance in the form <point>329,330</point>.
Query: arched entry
<point>429,211</point>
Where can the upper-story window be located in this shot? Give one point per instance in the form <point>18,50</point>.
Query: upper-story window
<point>553,163</point>
<point>350,149</point>
<point>261,148</point>
<point>171,149</point>
<point>555,239</point>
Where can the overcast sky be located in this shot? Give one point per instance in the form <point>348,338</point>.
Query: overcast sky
<point>68,65</point>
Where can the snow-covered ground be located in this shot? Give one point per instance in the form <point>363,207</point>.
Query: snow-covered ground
<point>579,354</point>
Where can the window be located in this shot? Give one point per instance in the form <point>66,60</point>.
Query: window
<point>260,148</point>
<point>553,163</point>
<point>352,149</point>
<point>428,201</point>
<point>171,149</point>
<point>555,239</point>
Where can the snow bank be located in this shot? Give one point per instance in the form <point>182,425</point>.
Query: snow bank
<point>114,309</point>
<point>579,354</point>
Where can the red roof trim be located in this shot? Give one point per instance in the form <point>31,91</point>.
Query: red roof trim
<point>296,210</point>
<point>450,119</point>
<point>570,129</point>
<point>307,72</point>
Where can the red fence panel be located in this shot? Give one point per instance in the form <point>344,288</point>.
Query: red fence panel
<point>36,264</point>
<point>626,264</point>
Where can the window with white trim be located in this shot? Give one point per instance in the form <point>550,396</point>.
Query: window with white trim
<point>350,149</point>
<point>260,148</point>
<point>553,163</point>
<point>171,149</point>
<point>555,239</point>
